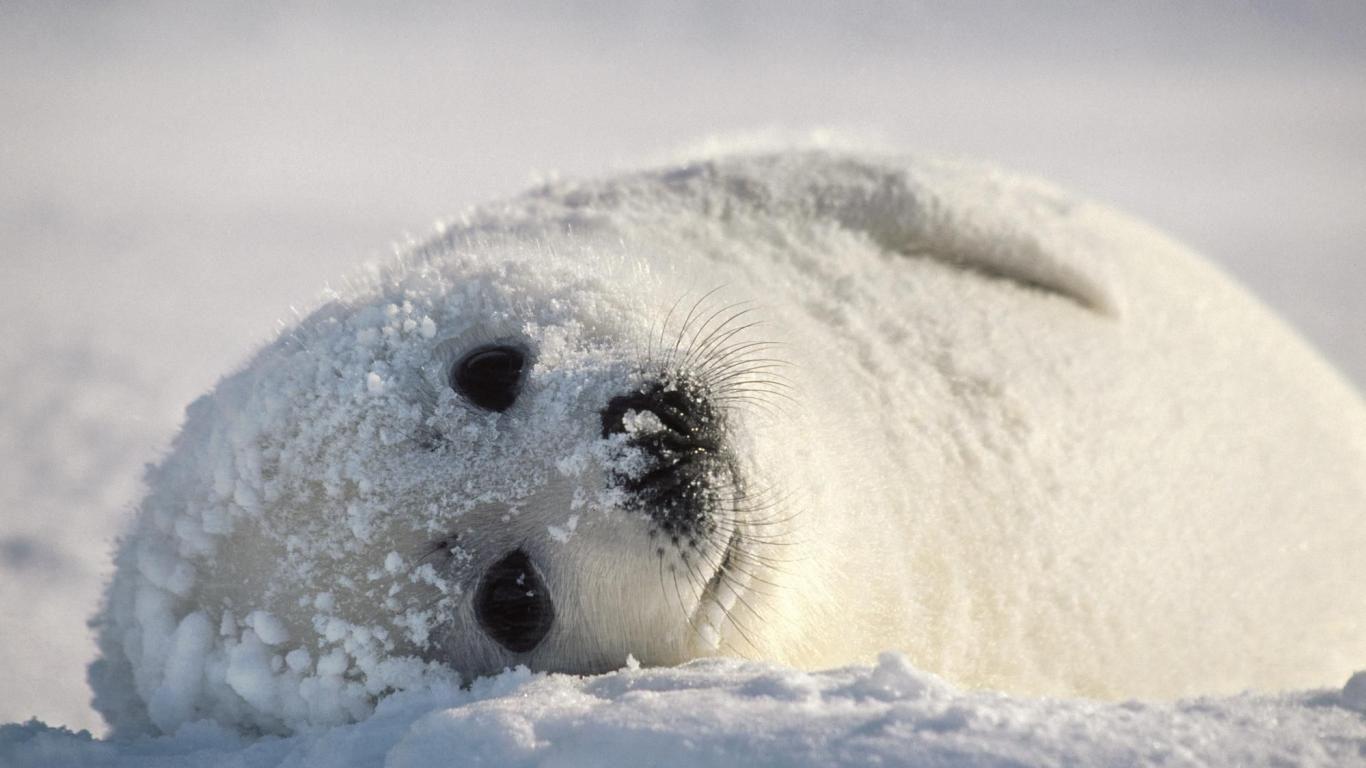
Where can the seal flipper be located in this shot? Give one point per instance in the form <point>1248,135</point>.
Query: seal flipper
<point>960,213</point>
<point>1002,227</point>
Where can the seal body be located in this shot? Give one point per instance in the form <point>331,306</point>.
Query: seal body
<point>802,407</point>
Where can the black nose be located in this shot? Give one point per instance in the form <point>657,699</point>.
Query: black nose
<point>513,605</point>
<point>685,463</point>
<point>685,415</point>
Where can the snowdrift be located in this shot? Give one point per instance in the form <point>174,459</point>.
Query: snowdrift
<point>725,712</point>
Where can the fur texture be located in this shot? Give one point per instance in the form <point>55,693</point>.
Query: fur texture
<point>1022,438</point>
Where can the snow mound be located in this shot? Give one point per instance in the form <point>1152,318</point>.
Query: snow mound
<point>729,712</point>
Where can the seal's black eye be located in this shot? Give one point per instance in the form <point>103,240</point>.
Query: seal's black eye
<point>490,377</point>
<point>513,605</point>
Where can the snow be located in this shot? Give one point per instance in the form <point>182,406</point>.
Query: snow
<point>269,628</point>
<point>727,712</point>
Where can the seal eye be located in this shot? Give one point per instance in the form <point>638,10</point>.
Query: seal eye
<point>490,377</point>
<point>513,605</point>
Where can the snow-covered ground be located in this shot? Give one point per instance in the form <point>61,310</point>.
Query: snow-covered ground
<point>725,712</point>
<point>176,177</point>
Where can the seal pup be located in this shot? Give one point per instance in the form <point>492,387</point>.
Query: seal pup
<point>803,407</point>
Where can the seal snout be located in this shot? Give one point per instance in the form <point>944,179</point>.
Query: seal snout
<point>686,423</point>
<point>513,605</point>
<point>678,433</point>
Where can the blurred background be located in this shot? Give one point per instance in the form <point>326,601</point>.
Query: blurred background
<point>174,177</point>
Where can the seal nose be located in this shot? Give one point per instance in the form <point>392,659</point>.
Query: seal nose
<point>513,605</point>
<point>685,418</point>
<point>679,433</point>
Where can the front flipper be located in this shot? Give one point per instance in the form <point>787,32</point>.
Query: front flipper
<point>966,215</point>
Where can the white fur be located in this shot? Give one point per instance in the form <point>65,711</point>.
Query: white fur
<point>1022,438</point>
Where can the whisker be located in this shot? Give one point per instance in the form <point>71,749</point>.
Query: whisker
<point>739,352</point>
<point>702,346</point>
<point>710,346</point>
<point>664,327</point>
<point>687,321</point>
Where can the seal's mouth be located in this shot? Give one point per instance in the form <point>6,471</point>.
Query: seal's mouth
<point>727,562</point>
<point>721,594</point>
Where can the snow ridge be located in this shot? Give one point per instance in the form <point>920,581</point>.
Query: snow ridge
<point>728,712</point>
